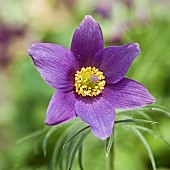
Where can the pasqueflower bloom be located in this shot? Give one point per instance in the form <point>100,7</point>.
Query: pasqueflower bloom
<point>103,8</point>
<point>89,79</point>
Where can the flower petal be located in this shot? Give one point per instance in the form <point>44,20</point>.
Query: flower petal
<point>56,64</point>
<point>127,94</point>
<point>87,41</point>
<point>98,113</point>
<point>61,108</point>
<point>114,62</point>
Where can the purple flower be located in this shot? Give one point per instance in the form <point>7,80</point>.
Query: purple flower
<point>89,79</point>
<point>103,8</point>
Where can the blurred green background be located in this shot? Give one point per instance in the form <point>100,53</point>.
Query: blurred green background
<point>24,96</point>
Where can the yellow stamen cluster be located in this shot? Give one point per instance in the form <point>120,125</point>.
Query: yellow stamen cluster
<point>89,81</point>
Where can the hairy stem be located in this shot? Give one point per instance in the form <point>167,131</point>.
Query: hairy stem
<point>110,149</point>
<point>111,158</point>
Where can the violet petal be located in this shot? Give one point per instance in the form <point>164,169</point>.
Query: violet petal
<point>61,108</point>
<point>98,113</point>
<point>87,41</point>
<point>127,94</point>
<point>114,62</point>
<point>56,64</point>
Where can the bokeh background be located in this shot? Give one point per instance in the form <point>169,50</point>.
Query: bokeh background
<point>24,96</point>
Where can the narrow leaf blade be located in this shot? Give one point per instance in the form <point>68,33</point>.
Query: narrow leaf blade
<point>145,143</point>
<point>109,145</point>
<point>77,147</point>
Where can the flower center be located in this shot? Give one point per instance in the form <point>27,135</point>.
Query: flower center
<point>89,81</point>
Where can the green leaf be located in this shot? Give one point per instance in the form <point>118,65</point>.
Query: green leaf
<point>146,129</point>
<point>69,151</point>
<point>144,114</point>
<point>80,151</point>
<point>33,135</point>
<point>75,135</point>
<point>72,137</point>
<point>76,148</point>
<point>152,132</point>
<point>109,144</point>
<point>143,121</point>
<point>47,136</point>
<point>59,145</point>
<point>145,143</point>
<point>140,112</point>
<point>153,109</point>
<point>166,113</point>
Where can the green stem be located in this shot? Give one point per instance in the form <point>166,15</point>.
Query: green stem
<point>111,158</point>
<point>110,152</point>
